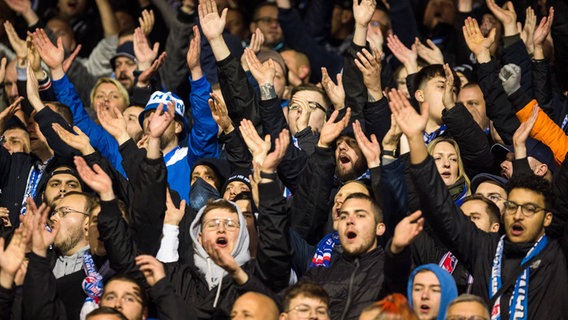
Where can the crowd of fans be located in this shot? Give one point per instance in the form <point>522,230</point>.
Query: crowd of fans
<point>290,159</point>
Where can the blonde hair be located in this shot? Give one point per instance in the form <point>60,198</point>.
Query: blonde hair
<point>123,92</point>
<point>461,169</point>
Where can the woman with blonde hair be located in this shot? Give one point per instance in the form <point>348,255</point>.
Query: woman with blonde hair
<point>446,154</point>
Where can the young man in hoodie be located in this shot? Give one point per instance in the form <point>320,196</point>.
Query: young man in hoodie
<point>430,290</point>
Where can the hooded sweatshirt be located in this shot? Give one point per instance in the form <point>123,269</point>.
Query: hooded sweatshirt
<point>448,287</point>
<point>212,272</point>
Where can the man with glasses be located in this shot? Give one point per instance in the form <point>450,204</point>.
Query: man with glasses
<point>265,18</point>
<point>54,277</point>
<point>467,307</point>
<point>305,300</point>
<point>491,187</point>
<point>513,273</point>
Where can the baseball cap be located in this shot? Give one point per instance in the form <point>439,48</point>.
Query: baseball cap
<point>535,149</point>
<point>165,98</point>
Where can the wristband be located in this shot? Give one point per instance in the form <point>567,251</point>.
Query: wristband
<point>391,153</point>
<point>271,176</point>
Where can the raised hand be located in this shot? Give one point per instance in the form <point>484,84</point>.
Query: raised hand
<point>476,42</point>
<point>32,89</point>
<point>194,54</point>
<point>152,269</point>
<point>522,134</point>
<point>79,141</point>
<point>258,148</point>
<point>506,15</point>
<point>173,214</point>
<point>95,178</point>
<point>370,67</point>
<point>52,55</point>
<point>12,257</point>
<point>256,42</point>
<point>34,61</point>
<point>145,77</point>
<point>449,98</point>
<point>406,231</point>
<point>147,21</point>
<point>304,111</point>
<point>391,139</point>
<point>9,111</point>
<point>331,129</point>
<point>264,74</point>
<point>18,45</point>
<point>527,31</point>
<point>220,113</point>
<point>3,63</point>
<point>160,120</point>
<point>363,11</point>
<point>543,30</point>
<point>274,158</point>
<point>144,54</point>
<point>113,122</point>
<point>336,93</point>
<point>431,53</point>
<point>212,24</point>
<point>370,148</point>
<point>408,57</point>
<point>41,237</point>
<point>375,38</point>
<point>409,121</point>
<point>68,62</point>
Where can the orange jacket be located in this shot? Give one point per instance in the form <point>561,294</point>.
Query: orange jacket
<point>547,131</point>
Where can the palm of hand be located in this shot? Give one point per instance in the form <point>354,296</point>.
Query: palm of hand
<point>212,25</point>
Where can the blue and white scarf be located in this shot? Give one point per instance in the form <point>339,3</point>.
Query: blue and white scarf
<point>322,257</point>
<point>518,305</point>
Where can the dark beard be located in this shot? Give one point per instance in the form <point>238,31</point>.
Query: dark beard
<point>358,169</point>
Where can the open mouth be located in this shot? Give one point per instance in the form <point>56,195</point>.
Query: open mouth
<point>424,308</point>
<point>344,159</point>
<point>221,241</point>
<point>517,229</point>
<point>351,235</point>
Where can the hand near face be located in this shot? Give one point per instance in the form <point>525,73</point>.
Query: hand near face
<point>406,231</point>
<point>152,269</point>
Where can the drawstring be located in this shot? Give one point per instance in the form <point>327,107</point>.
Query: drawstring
<point>218,293</point>
<point>218,285</point>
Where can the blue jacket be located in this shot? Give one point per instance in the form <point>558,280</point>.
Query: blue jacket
<point>449,291</point>
<point>201,142</point>
<point>100,139</point>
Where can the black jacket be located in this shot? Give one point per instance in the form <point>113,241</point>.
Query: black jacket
<point>355,282</point>
<point>476,250</point>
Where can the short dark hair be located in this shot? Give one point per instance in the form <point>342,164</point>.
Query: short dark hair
<point>430,72</point>
<point>306,289</point>
<point>106,311</point>
<point>377,211</point>
<point>129,278</point>
<point>63,110</point>
<point>313,87</point>
<point>260,6</point>
<point>534,183</point>
<point>218,204</point>
<point>91,201</point>
<point>491,208</point>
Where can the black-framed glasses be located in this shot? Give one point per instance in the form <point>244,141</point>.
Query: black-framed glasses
<point>458,317</point>
<point>63,211</point>
<point>214,224</point>
<point>528,209</point>
<point>311,104</point>
<point>304,311</point>
<point>267,20</point>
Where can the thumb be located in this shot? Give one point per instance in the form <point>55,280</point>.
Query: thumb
<point>492,34</point>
